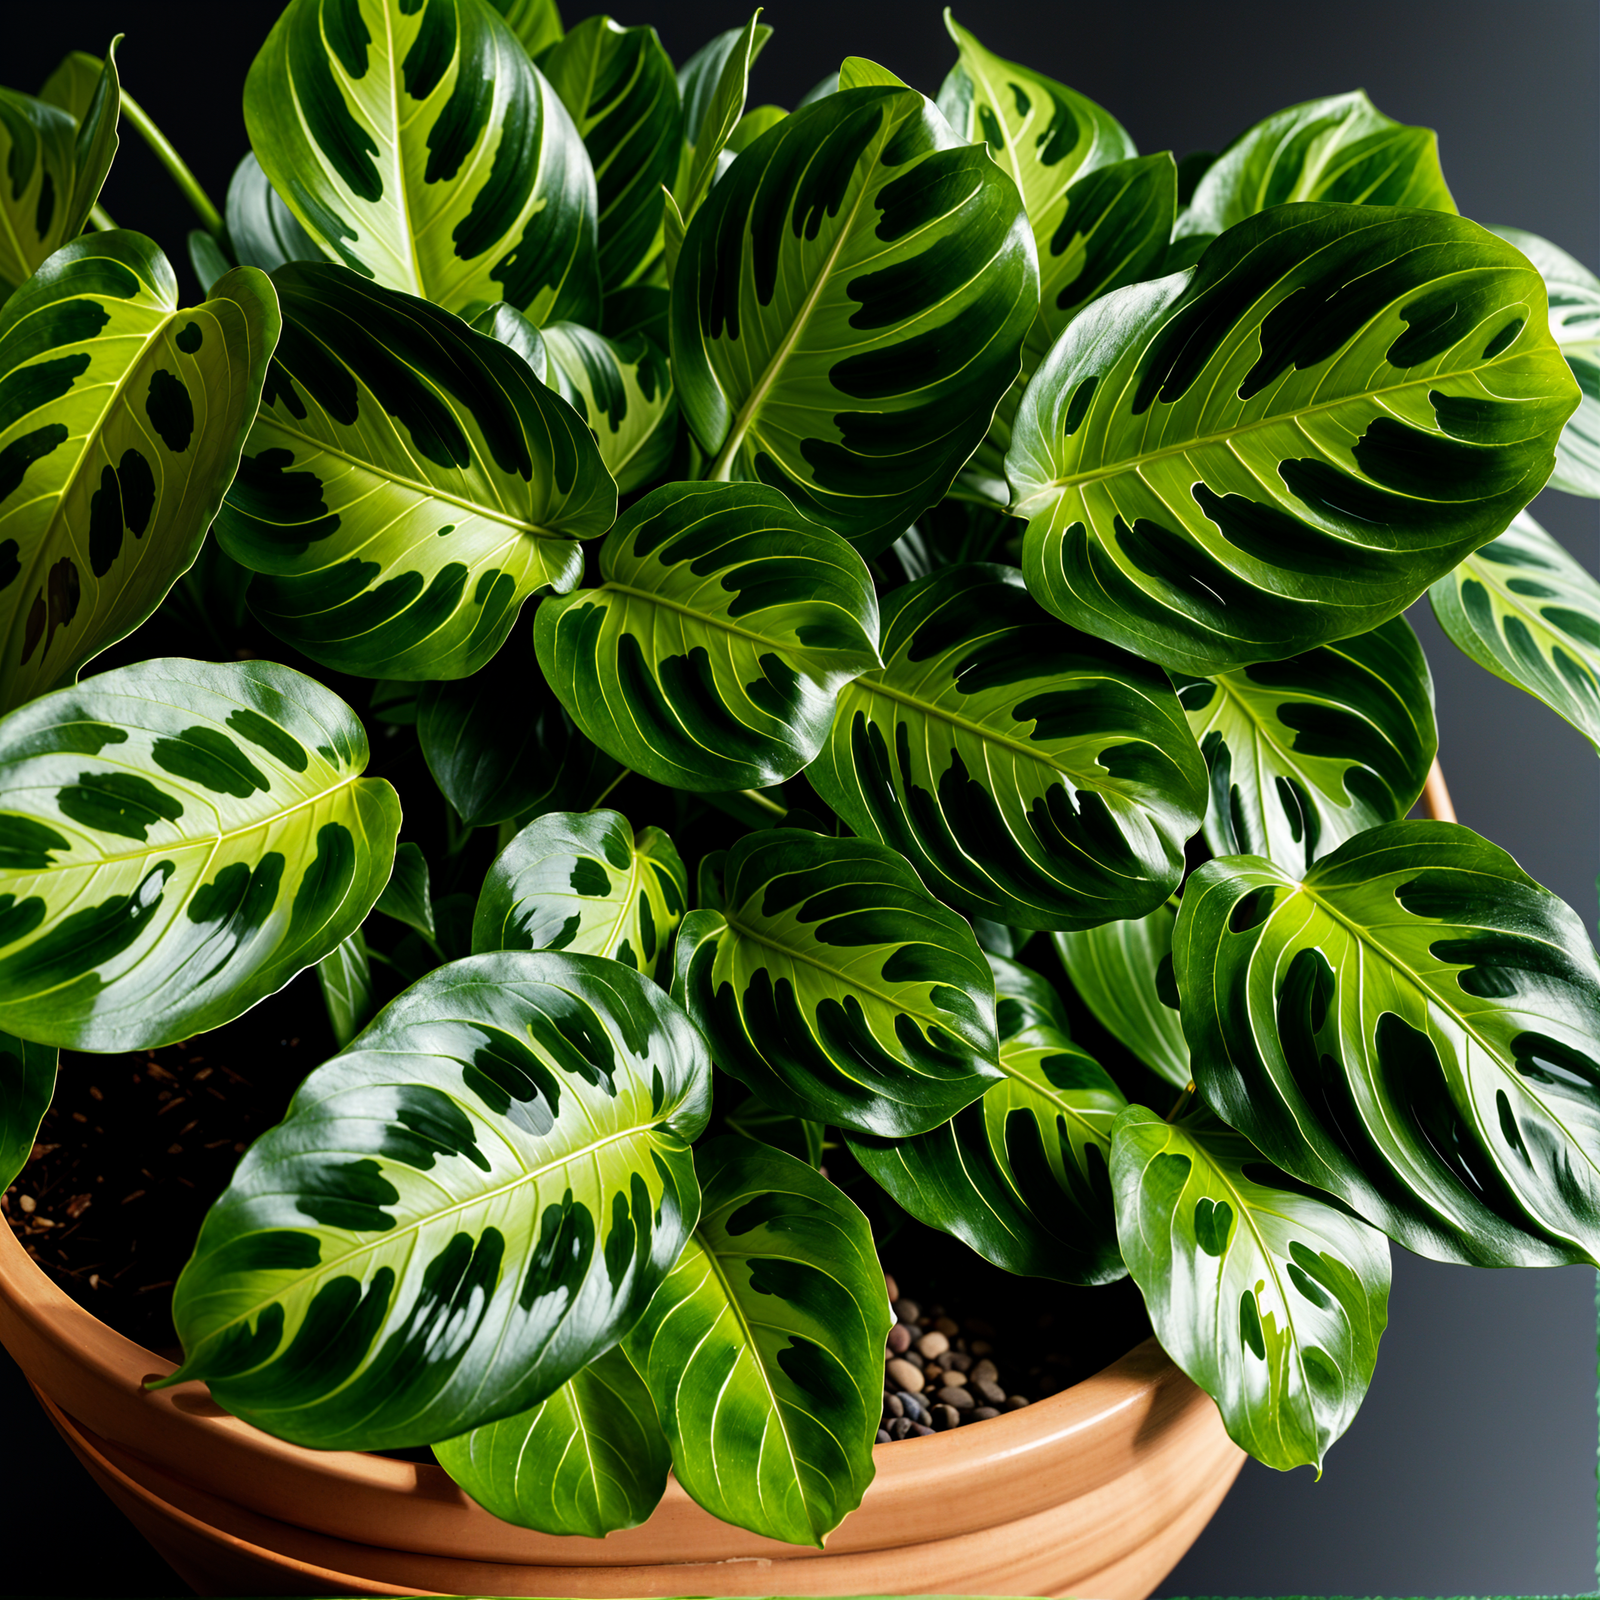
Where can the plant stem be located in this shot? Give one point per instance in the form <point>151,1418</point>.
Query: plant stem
<point>626,771</point>
<point>100,218</point>
<point>758,798</point>
<point>161,146</point>
<point>1178,1104</point>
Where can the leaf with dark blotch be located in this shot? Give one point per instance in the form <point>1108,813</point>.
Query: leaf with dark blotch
<point>407,484</point>
<point>1269,1297</point>
<point>1021,1175</point>
<point>461,1210</point>
<point>837,988</point>
<point>623,390</point>
<point>177,840</point>
<point>763,1348</point>
<point>580,881</point>
<point>121,422</point>
<point>27,1082</point>
<point>1289,443</point>
<point>710,656</point>
<point>536,23</point>
<point>1412,1026</point>
<point>1030,773</point>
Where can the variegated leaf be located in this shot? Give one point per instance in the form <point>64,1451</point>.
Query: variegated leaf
<point>623,390</point>
<point>1289,443</point>
<point>1022,1175</point>
<point>1529,613</point>
<point>121,421</point>
<point>407,485</point>
<point>536,23</point>
<point>1306,753</point>
<point>710,656</point>
<point>763,1347</point>
<point>580,881</point>
<point>844,329</point>
<point>177,840</point>
<point>27,1083</point>
<point>837,988</point>
<point>416,141</point>
<point>480,1195</point>
<point>1030,773</point>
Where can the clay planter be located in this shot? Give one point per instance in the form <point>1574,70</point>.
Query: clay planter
<point>1096,1491</point>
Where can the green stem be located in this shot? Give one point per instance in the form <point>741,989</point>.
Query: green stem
<point>626,771</point>
<point>756,797</point>
<point>210,217</point>
<point>100,218</point>
<point>1181,1101</point>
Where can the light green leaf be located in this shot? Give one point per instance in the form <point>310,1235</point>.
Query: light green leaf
<point>1575,324</point>
<point>1123,972</point>
<point>1031,774</point>
<point>763,1348</point>
<point>481,1194</point>
<point>86,88</point>
<point>262,230</point>
<point>854,362</point>
<point>419,145</point>
<point>751,126</point>
<point>407,485</point>
<point>1412,1026</point>
<point>1529,613</point>
<point>1306,753</point>
<point>177,840</point>
<point>27,1083</point>
<point>710,656</point>
<point>706,82</point>
<point>837,988</point>
<point>513,330</point>
<point>579,881</point>
<point>623,390</point>
<point>536,23</point>
<point>121,422</point>
<point>345,977</point>
<point>589,1460</point>
<point>1269,1298</point>
<point>208,259</point>
<point>856,72</point>
<point>1289,443</point>
<point>1021,1175</point>
<point>406,896</point>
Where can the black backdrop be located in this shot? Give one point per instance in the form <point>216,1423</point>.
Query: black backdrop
<point>1471,1469</point>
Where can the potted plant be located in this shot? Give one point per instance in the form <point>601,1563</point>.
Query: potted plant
<point>994,533</point>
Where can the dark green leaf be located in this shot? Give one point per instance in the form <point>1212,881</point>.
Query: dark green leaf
<point>27,1082</point>
<point>406,897</point>
<point>623,390</point>
<point>536,23</point>
<point>345,977</point>
<point>263,231</point>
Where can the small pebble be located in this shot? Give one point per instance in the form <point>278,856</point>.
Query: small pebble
<point>954,1395</point>
<point>946,1417</point>
<point>900,1428</point>
<point>932,1376</point>
<point>933,1344</point>
<point>989,1393</point>
<point>899,1338</point>
<point>904,1376</point>
<point>949,1327</point>
<point>892,1287</point>
<point>1016,1402</point>
<point>913,1407</point>
<point>893,1406</point>
<point>982,1413</point>
<point>916,1358</point>
<point>26,1201</point>
<point>921,1430</point>
<point>883,1437</point>
<point>984,1372</point>
<point>980,1347</point>
<point>955,1361</point>
<point>907,1310</point>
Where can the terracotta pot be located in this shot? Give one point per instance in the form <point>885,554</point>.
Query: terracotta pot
<point>1096,1491</point>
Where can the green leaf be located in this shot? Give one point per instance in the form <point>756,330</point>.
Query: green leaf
<point>797,1136</point>
<point>27,1082</point>
<point>706,81</point>
<point>1529,613</point>
<point>177,840</point>
<point>854,361</point>
<point>1575,324</point>
<point>589,1460</point>
<point>86,88</point>
<point>121,422</point>
<point>1123,972</point>
<point>1031,774</point>
<point>1413,1027</point>
<point>1289,443</point>
<point>710,656</point>
<point>461,1210</point>
<point>513,330</point>
<point>1269,1298</point>
<point>406,896</point>
<point>262,230</point>
<point>420,146</point>
<point>1308,752</point>
<point>751,126</point>
<point>536,23</point>
<point>623,390</point>
<point>1021,1175</point>
<point>837,988</point>
<point>579,881</point>
<point>207,258</point>
<point>407,485</point>
<point>763,1349</point>
<point>620,88</point>
<point>345,977</point>
<point>1340,149</point>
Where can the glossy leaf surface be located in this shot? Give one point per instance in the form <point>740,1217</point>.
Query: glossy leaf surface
<point>1524,609</point>
<point>121,422</point>
<point>417,143</point>
<point>27,1083</point>
<point>623,390</point>
<point>1412,1026</point>
<point>407,896</point>
<point>262,230</point>
<point>1268,1297</point>
<point>1305,753</point>
<point>837,988</point>
<point>762,1349</point>
<point>460,1211</point>
<point>713,85</point>
<point>711,654</point>
<point>536,23</point>
<point>580,881</point>
<point>1031,774</point>
<point>589,1460</point>
<point>345,978</point>
<point>1288,444</point>
<point>844,328</point>
<point>1022,1174</point>
<point>177,840</point>
<point>407,485</point>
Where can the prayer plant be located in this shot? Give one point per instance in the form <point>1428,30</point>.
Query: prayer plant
<point>989,541</point>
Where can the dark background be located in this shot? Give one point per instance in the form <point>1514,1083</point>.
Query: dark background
<point>1471,1468</point>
